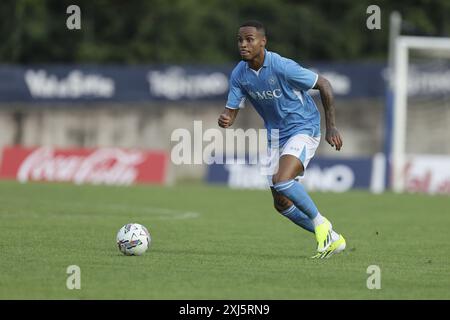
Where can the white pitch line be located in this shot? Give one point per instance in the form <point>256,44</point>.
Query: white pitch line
<point>158,213</point>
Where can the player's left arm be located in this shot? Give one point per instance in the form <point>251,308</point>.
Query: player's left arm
<point>305,79</point>
<point>332,135</point>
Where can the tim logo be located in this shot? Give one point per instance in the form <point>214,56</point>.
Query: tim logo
<point>265,95</point>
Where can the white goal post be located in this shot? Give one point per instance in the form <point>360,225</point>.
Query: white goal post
<point>399,86</point>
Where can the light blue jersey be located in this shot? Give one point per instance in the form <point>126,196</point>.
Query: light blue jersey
<point>278,92</point>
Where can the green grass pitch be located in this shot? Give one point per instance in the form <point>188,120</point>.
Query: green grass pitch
<point>216,243</point>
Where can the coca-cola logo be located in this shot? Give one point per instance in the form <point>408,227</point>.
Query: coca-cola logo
<point>103,166</point>
<point>427,174</point>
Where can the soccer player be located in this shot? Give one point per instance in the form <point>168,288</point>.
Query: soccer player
<point>277,88</point>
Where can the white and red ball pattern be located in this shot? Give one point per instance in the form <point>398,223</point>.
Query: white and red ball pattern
<point>133,239</point>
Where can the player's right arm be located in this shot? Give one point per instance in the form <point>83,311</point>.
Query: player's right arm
<point>236,98</point>
<point>226,119</point>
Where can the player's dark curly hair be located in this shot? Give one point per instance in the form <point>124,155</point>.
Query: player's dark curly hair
<point>254,23</point>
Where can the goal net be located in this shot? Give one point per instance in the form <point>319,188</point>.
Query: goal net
<point>421,115</point>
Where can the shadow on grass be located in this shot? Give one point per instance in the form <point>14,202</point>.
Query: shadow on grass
<point>199,252</point>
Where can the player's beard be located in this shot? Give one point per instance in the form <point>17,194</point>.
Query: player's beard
<point>247,58</point>
<point>250,57</point>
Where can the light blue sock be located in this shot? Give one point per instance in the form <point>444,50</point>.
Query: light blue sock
<point>295,192</point>
<point>299,218</point>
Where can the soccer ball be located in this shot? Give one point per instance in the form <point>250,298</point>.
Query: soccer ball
<point>133,239</point>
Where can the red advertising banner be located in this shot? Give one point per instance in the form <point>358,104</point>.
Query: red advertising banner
<point>111,166</point>
<point>428,174</point>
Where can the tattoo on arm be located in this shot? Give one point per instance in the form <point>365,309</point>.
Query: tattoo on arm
<point>326,95</point>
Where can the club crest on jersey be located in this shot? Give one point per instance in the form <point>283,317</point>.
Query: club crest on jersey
<point>265,95</point>
<point>272,80</point>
